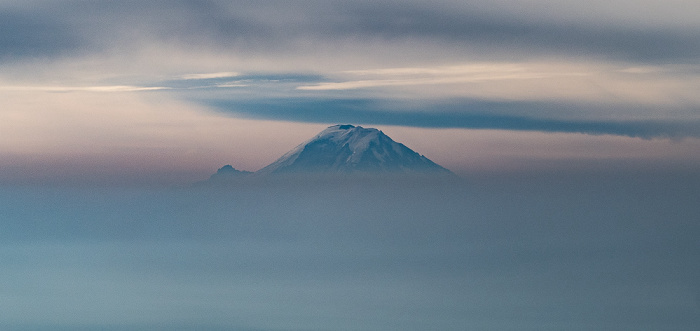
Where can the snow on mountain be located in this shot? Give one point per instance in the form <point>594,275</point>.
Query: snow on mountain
<point>352,149</point>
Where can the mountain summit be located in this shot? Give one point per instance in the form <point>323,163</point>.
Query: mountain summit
<point>352,149</point>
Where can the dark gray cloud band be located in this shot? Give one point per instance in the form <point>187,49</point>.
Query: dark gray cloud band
<point>469,114</point>
<point>288,26</point>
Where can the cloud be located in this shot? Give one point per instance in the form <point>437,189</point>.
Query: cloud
<point>626,90</point>
<point>486,30</point>
<point>263,85</point>
<point>35,34</point>
<point>113,88</point>
<point>512,34</point>
<point>471,114</point>
<point>469,73</point>
<point>210,75</point>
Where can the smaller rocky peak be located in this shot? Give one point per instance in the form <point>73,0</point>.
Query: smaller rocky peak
<point>228,171</point>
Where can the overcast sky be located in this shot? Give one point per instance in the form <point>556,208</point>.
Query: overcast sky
<point>171,90</point>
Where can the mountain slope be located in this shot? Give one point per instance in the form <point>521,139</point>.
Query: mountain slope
<point>352,149</point>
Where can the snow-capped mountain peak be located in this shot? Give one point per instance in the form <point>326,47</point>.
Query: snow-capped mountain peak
<point>349,149</point>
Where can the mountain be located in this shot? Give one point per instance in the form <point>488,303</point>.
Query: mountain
<point>228,172</point>
<point>352,149</point>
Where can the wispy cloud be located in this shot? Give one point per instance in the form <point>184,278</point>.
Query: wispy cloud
<point>439,75</point>
<point>210,75</point>
<point>619,86</point>
<point>103,88</point>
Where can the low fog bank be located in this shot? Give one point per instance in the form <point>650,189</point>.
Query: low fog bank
<point>537,252</point>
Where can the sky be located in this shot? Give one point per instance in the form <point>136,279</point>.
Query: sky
<point>168,91</point>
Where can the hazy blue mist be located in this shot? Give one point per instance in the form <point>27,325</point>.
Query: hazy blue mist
<point>591,251</point>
